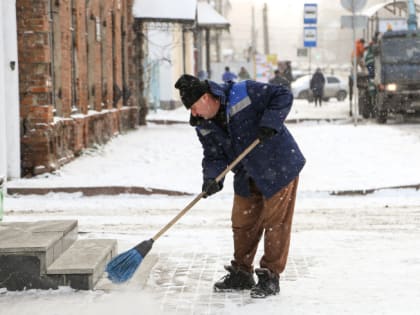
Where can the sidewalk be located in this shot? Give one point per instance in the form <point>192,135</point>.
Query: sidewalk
<point>337,265</point>
<point>301,110</point>
<point>362,260</point>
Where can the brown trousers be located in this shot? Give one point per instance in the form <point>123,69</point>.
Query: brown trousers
<point>253,215</point>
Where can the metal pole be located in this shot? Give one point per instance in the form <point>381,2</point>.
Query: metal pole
<point>355,91</point>
<point>310,59</point>
<point>208,69</point>
<point>253,32</point>
<point>265,25</point>
<point>200,49</point>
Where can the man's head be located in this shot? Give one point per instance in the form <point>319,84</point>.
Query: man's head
<point>190,89</point>
<point>196,96</point>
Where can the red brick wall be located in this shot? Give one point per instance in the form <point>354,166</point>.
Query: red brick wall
<point>34,55</point>
<point>66,67</point>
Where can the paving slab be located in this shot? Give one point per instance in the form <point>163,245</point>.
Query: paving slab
<point>39,236</point>
<point>82,265</point>
<point>46,239</point>
<point>27,248</point>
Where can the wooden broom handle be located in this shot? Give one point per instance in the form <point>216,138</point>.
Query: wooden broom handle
<point>201,195</point>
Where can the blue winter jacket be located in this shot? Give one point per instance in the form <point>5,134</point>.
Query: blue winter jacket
<point>250,104</point>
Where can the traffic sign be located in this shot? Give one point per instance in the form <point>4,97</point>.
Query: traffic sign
<point>356,21</point>
<point>309,36</point>
<point>310,12</point>
<point>302,52</point>
<point>353,5</point>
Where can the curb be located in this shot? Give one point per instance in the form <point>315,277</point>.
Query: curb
<point>371,191</point>
<point>117,190</point>
<point>93,191</point>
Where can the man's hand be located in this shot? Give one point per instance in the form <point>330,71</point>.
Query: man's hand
<point>210,187</point>
<point>265,133</point>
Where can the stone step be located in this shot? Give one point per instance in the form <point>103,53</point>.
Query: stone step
<point>28,248</point>
<point>82,265</point>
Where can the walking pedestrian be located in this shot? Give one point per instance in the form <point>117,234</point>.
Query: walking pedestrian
<point>279,79</point>
<point>243,74</point>
<point>317,86</point>
<point>369,59</point>
<point>350,83</point>
<point>228,75</point>
<point>287,73</point>
<point>360,50</point>
<point>227,119</point>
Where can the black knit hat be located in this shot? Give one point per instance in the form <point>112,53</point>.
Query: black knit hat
<point>190,89</point>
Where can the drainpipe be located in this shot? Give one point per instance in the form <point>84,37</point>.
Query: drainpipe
<point>51,44</point>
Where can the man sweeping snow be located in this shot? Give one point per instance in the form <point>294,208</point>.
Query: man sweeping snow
<point>227,119</point>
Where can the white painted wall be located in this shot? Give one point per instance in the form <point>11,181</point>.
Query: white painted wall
<point>3,142</point>
<point>9,92</point>
<point>160,45</point>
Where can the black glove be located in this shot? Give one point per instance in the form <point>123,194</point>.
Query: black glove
<point>210,187</point>
<point>265,133</point>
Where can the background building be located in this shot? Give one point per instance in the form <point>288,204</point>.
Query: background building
<point>285,31</point>
<point>71,67</point>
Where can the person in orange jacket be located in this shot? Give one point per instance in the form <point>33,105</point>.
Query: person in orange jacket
<point>360,49</point>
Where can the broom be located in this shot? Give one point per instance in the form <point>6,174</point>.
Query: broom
<point>122,267</point>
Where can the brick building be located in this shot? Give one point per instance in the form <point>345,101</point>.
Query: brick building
<point>75,71</point>
<point>79,77</point>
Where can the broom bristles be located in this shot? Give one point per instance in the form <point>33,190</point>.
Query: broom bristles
<point>122,267</point>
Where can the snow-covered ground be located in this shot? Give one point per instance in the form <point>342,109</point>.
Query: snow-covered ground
<point>340,155</point>
<point>349,254</point>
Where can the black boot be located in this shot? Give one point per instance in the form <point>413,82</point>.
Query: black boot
<point>236,279</point>
<point>268,284</point>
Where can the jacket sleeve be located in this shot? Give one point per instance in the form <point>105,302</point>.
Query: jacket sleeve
<point>277,101</point>
<point>214,160</point>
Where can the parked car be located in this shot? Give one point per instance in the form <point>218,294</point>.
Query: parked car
<point>335,87</point>
<point>297,73</point>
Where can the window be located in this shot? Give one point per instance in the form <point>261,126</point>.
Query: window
<point>332,80</point>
